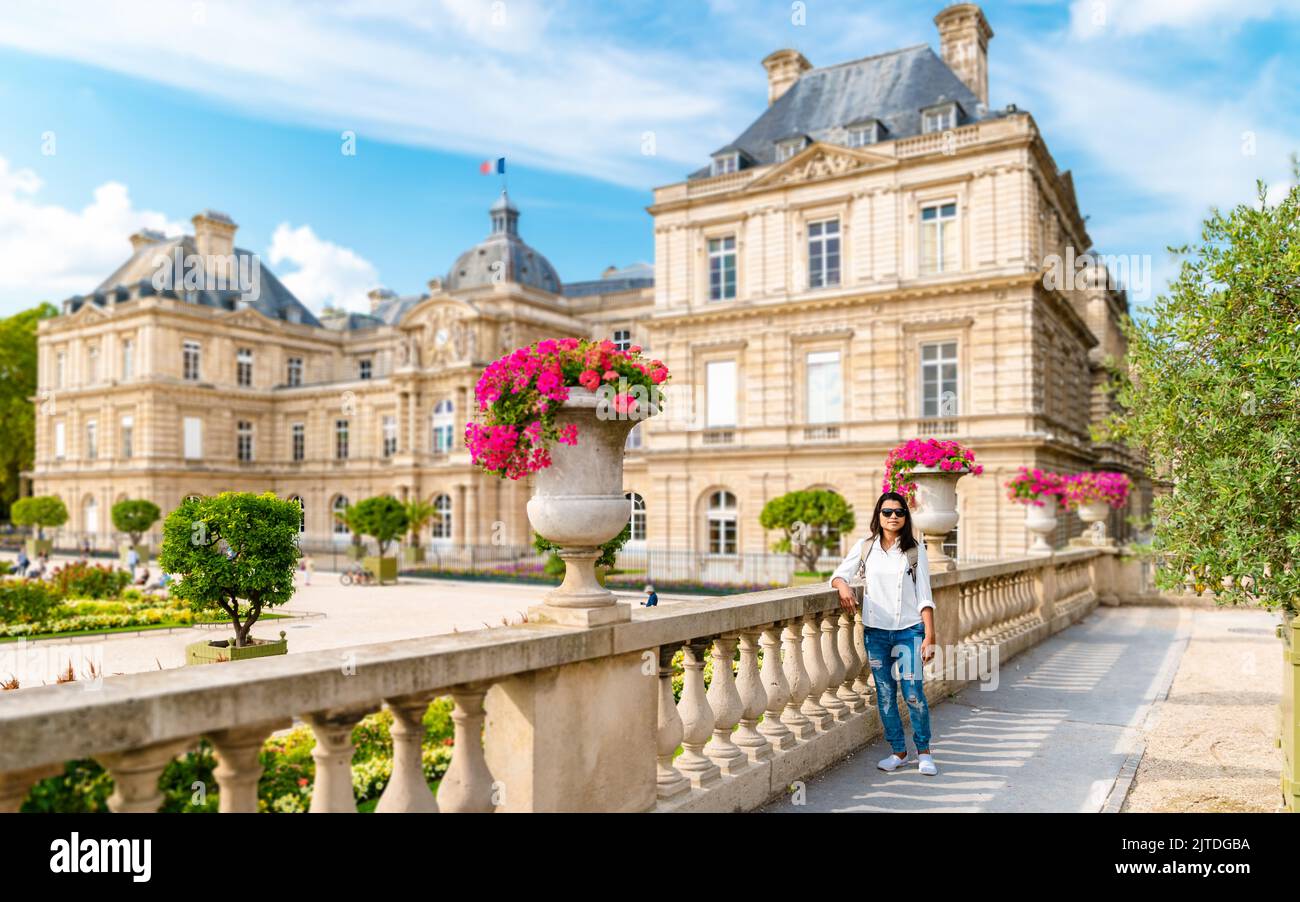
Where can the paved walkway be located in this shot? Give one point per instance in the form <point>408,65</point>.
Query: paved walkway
<point>1067,724</point>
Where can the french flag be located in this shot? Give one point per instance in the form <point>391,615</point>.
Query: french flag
<point>487,166</point>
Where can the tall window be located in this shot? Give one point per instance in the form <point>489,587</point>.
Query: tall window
<point>720,390</point>
<point>823,253</point>
<point>337,509</point>
<point>622,339</point>
<point>722,268</point>
<point>60,368</point>
<point>299,441</point>
<point>939,379</point>
<point>634,439</point>
<point>244,441</point>
<point>92,439</point>
<point>341,439</point>
<point>193,438</point>
<point>825,387</point>
<point>294,376</point>
<point>722,523</point>
<point>90,515</point>
<point>190,361</point>
<point>938,238</point>
<point>244,367</point>
<point>128,359</point>
<point>302,512</point>
<point>92,365</point>
<point>444,426</point>
<point>390,436</point>
<point>128,436</point>
<point>637,518</point>
<point>441,526</point>
<point>364,369</point>
<point>60,440</point>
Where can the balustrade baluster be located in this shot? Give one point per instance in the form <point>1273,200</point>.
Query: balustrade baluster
<point>669,780</point>
<point>239,764</point>
<point>333,755</point>
<point>697,719</point>
<point>834,666</point>
<point>796,674</point>
<point>728,707</point>
<point>135,774</point>
<point>852,664</point>
<point>754,697</point>
<point>407,789</point>
<point>817,676</point>
<point>777,691</point>
<point>862,675</point>
<point>467,786</point>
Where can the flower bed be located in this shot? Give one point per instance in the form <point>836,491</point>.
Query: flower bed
<point>1087,488</point>
<point>1030,487</point>
<point>517,396</point>
<point>59,615</point>
<point>931,453</point>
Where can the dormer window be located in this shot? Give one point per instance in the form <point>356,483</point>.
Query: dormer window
<point>860,134</point>
<point>939,118</point>
<point>789,147</point>
<point>726,162</point>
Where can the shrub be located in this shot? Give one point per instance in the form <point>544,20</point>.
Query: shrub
<point>41,511</point>
<point>382,517</point>
<point>135,517</point>
<point>27,601</point>
<point>77,580</point>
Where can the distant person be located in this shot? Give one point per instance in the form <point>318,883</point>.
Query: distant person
<point>20,566</point>
<point>308,567</point>
<point>144,577</point>
<point>85,548</point>
<point>652,597</point>
<point>133,561</point>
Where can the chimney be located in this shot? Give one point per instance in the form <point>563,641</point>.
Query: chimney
<point>964,44</point>
<point>783,69</point>
<point>145,238</point>
<point>378,296</point>
<point>214,239</point>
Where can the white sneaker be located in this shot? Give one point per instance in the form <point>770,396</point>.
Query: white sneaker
<point>926,764</point>
<point>892,763</point>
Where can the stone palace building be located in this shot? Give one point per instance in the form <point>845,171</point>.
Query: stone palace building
<point>863,264</point>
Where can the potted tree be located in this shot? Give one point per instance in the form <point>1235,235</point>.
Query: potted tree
<point>812,523</point>
<point>383,518</point>
<point>235,555</point>
<point>43,511</point>
<point>560,410</point>
<point>418,515</point>
<point>1212,397</point>
<point>355,550</point>
<point>1039,491</point>
<point>925,471</point>
<point>1093,495</point>
<point>135,517</point>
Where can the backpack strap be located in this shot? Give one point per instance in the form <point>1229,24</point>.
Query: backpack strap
<point>862,564</point>
<point>913,556</point>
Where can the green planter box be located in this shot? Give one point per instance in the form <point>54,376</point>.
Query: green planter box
<point>413,555</point>
<point>37,546</point>
<point>218,650</point>
<point>1289,732</point>
<point>384,569</point>
<point>356,552</point>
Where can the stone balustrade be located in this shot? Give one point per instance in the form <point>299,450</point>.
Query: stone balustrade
<point>554,718</point>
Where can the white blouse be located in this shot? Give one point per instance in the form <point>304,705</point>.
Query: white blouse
<point>891,600</point>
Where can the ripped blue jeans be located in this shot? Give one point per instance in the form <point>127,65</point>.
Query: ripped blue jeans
<point>884,647</point>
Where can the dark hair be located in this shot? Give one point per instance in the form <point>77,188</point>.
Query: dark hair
<point>906,541</point>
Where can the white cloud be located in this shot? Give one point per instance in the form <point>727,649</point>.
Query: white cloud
<point>1125,18</point>
<point>327,273</point>
<point>50,252</point>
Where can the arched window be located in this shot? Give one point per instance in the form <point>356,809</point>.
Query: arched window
<point>440,528</point>
<point>302,512</point>
<point>444,425</point>
<point>341,531</point>
<point>638,517</point>
<point>90,514</point>
<point>722,523</point>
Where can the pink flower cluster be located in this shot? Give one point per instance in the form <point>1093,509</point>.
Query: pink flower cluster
<point>1085,488</point>
<point>1032,486</point>
<point>930,453</point>
<point>518,394</point>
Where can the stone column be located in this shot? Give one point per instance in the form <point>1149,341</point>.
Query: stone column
<point>728,708</point>
<point>333,755</point>
<point>407,789</point>
<point>777,691</point>
<point>135,774</point>
<point>848,650</point>
<point>697,719</point>
<point>817,676</point>
<point>239,766</point>
<point>830,699</point>
<point>668,780</point>
<point>467,786</point>
<point>749,683</point>
<point>1045,592</point>
<point>797,677</point>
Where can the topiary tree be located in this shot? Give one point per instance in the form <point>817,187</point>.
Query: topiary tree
<point>811,521</point>
<point>135,517</point>
<point>41,511</point>
<point>382,517</point>
<point>1213,397</point>
<point>235,554</point>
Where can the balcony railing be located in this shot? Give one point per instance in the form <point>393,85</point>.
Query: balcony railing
<point>800,698</point>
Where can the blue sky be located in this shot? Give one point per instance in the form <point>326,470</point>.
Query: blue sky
<point>122,114</point>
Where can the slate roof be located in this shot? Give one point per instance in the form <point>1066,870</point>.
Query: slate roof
<point>638,275</point>
<point>892,87</point>
<point>503,255</point>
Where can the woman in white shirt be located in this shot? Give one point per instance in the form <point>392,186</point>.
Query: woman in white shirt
<point>898,621</point>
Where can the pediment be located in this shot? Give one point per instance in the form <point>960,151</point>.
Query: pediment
<point>89,312</point>
<point>821,161</point>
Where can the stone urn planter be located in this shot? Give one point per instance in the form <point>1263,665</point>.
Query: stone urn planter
<point>1095,514</point>
<point>935,511</point>
<point>578,504</point>
<point>1041,523</point>
<point>218,650</point>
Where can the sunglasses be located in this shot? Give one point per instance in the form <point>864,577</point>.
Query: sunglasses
<point>893,512</point>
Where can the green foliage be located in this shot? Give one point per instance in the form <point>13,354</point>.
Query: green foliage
<point>135,517</point>
<point>78,580</point>
<point>811,523</point>
<point>231,548</point>
<point>131,608</point>
<point>382,517</point>
<point>17,388</point>
<point>1213,398</point>
<point>41,511</point>
<point>27,601</point>
<point>608,551</point>
<point>418,515</point>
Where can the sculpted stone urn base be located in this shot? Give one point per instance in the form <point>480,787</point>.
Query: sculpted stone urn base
<point>1041,522</point>
<point>1094,514</point>
<point>935,512</point>
<point>578,504</point>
